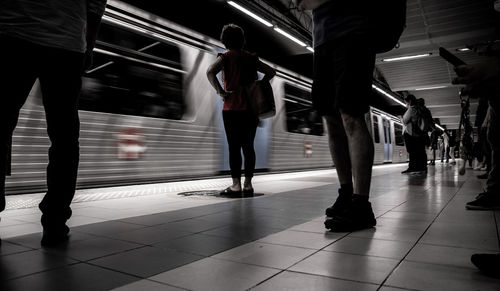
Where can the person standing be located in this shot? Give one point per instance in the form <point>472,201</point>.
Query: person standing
<point>414,138</point>
<point>51,41</point>
<point>239,69</point>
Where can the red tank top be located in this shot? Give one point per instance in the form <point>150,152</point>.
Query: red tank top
<point>240,69</point>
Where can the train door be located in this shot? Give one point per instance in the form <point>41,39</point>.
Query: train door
<point>386,125</point>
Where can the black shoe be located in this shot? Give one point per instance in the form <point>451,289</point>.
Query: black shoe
<point>483,176</point>
<point>358,215</point>
<point>54,239</point>
<point>230,193</point>
<point>485,201</point>
<point>340,204</point>
<point>488,263</point>
<point>407,171</point>
<point>248,192</point>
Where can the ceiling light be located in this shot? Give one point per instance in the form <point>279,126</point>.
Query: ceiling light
<point>291,37</point>
<point>430,88</point>
<point>310,49</point>
<point>406,58</point>
<point>464,49</point>
<point>438,126</point>
<point>388,95</point>
<point>250,13</point>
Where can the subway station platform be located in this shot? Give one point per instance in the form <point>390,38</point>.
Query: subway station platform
<point>147,237</point>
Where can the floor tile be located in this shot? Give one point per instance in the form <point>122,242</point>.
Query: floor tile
<point>346,266</point>
<point>312,226</point>
<point>437,277</point>
<point>151,235</point>
<point>242,231</point>
<point>33,240</point>
<point>389,233</point>
<point>199,244</point>
<point>371,247</point>
<point>79,277</point>
<point>146,261</point>
<point>291,281</point>
<point>107,228</point>
<point>25,263</point>
<point>7,248</point>
<point>216,275</point>
<point>148,286</point>
<point>301,239</point>
<point>267,255</point>
<point>465,236</point>
<point>452,256</point>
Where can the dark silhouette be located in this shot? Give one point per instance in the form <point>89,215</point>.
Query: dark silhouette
<point>47,42</point>
<point>415,138</point>
<point>239,69</point>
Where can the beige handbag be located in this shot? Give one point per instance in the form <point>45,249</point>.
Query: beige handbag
<point>261,99</point>
<point>309,4</point>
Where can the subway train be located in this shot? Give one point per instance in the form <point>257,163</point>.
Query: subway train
<point>148,114</point>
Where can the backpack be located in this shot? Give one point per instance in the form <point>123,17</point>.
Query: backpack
<point>424,119</point>
<point>389,21</point>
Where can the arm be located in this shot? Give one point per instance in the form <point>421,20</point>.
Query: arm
<point>95,10</point>
<point>212,72</point>
<point>269,72</point>
<point>486,118</point>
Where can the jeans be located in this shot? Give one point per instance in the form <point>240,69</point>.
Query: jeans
<point>59,72</point>
<point>240,127</point>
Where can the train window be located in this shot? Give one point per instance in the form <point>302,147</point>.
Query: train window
<point>376,133</point>
<point>300,116</point>
<point>398,132</point>
<point>133,75</point>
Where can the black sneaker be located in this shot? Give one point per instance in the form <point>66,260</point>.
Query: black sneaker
<point>358,215</point>
<point>488,263</point>
<point>340,204</point>
<point>485,201</point>
<point>53,238</point>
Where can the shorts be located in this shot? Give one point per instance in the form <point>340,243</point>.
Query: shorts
<point>343,76</point>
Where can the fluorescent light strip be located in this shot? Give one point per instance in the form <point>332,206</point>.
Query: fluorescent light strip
<point>437,125</point>
<point>406,58</point>
<point>388,95</point>
<point>250,13</point>
<point>464,49</point>
<point>291,37</point>
<point>310,49</point>
<point>430,88</point>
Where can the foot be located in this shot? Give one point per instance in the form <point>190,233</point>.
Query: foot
<point>488,263</point>
<point>229,191</point>
<point>407,171</point>
<point>357,216</point>
<point>340,204</point>
<point>247,186</point>
<point>485,201</point>
<point>53,238</point>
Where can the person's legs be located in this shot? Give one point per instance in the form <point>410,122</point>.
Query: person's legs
<point>421,161</point>
<point>233,132</point>
<point>410,148</point>
<point>249,131</point>
<point>491,198</point>
<point>17,75</point>
<point>60,82</point>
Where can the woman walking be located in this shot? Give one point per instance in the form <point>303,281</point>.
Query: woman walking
<point>239,69</point>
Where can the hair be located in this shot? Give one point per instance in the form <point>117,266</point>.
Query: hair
<point>421,101</point>
<point>232,36</point>
<point>411,98</point>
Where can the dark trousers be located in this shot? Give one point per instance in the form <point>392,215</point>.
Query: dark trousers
<point>240,127</point>
<point>415,145</point>
<point>493,183</point>
<point>59,72</point>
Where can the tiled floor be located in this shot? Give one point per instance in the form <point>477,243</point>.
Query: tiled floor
<point>148,238</point>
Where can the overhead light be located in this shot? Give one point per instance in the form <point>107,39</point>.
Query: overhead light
<point>310,49</point>
<point>250,13</point>
<point>464,49</point>
<point>291,37</point>
<point>406,57</point>
<point>388,95</point>
<point>430,88</point>
<point>438,126</point>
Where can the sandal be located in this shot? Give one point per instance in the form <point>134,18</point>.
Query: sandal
<point>229,192</point>
<point>248,192</point>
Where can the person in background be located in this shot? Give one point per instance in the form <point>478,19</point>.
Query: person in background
<point>239,69</point>
<point>53,41</point>
<point>415,139</point>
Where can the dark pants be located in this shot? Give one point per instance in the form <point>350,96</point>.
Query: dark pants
<point>415,145</point>
<point>493,183</point>
<point>59,72</point>
<point>240,127</point>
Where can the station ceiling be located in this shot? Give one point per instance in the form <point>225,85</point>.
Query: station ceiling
<point>453,24</point>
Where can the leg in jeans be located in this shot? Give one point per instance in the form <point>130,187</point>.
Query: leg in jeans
<point>233,130</point>
<point>410,148</point>
<point>17,75</point>
<point>60,81</point>
<point>249,131</point>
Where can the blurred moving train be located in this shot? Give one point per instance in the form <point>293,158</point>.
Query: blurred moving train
<point>148,113</point>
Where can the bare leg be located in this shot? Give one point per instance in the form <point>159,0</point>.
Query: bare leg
<point>236,184</point>
<point>360,150</point>
<point>339,148</point>
<point>247,184</point>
